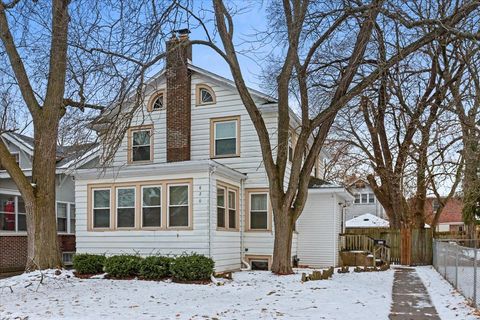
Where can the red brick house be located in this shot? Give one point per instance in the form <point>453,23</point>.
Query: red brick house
<point>13,226</point>
<point>451,216</point>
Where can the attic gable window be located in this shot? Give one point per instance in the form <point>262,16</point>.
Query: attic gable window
<point>157,101</point>
<point>140,144</point>
<point>205,95</point>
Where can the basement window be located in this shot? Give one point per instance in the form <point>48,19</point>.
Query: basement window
<point>261,265</point>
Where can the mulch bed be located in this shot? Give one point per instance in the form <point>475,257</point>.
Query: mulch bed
<point>85,275</point>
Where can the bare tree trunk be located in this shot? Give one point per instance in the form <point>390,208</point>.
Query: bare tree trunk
<point>282,249</point>
<point>43,248</point>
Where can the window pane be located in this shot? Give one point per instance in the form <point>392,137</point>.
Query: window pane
<point>258,220</point>
<point>225,147</point>
<point>61,224</point>
<point>371,198</point>
<point>101,218</point>
<point>231,200</point>
<point>152,217</point>
<point>21,205</point>
<point>141,138</point>
<point>61,210</point>
<point>158,103</point>
<point>220,197</point>
<point>258,202</point>
<point>221,217</point>
<point>141,153</point>
<point>72,218</point>
<point>126,198</point>
<point>178,195</point>
<point>357,198</point>
<point>22,222</point>
<point>178,216</point>
<point>364,197</point>
<point>206,96</point>
<point>101,198</point>
<point>227,129</point>
<point>7,212</point>
<point>232,218</point>
<point>151,196</point>
<point>126,218</point>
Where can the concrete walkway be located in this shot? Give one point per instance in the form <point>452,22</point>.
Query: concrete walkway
<point>410,297</point>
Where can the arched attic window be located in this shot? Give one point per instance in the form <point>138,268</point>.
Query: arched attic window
<point>205,95</point>
<point>157,101</point>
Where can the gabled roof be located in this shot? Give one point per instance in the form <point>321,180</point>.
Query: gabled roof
<point>67,156</point>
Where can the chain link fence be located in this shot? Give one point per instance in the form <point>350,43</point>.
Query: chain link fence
<point>457,262</point>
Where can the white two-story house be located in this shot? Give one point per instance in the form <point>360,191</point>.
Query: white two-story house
<point>188,177</point>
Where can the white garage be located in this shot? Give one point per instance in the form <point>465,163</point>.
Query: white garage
<point>320,224</point>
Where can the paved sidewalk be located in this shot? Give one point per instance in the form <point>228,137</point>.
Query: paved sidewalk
<point>410,299</point>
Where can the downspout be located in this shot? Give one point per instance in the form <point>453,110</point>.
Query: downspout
<point>211,171</point>
<point>242,227</point>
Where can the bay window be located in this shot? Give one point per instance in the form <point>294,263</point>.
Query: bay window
<point>220,207</point>
<point>227,207</point>
<point>65,217</point>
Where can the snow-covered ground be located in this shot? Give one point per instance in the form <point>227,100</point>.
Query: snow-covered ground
<point>449,303</point>
<point>251,295</point>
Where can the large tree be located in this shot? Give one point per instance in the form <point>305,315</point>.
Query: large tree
<point>318,57</point>
<point>61,56</point>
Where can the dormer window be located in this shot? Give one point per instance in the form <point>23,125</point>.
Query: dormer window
<point>157,101</point>
<point>205,95</point>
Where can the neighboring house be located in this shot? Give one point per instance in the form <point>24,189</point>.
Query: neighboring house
<point>365,200</point>
<point>13,225</point>
<point>451,216</point>
<point>189,177</point>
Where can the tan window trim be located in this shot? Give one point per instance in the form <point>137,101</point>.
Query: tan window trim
<point>252,257</point>
<point>228,187</point>
<point>249,192</point>
<point>138,204</point>
<point>190,198</point>
<point>198,97</point>
<point>213,121</point>
<point>143,186</point>
<point>130,132</point>
<point>154,97</point>
<point>134,208</point>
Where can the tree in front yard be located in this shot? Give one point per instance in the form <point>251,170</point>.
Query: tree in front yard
<point>330,55</point>
<point>61,56</point>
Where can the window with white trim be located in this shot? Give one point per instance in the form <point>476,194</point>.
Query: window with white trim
<point>258,211</point>
<point>364,198</point>
<point>62,216</point>
<point>151,206</point>
<point>126,207</point>
<point>178,205</point>
<point>101,208</point>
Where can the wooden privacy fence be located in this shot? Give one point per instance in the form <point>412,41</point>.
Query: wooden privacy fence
<point>360,242</point>
<point>407,246</point>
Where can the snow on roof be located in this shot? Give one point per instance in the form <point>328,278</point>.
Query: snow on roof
<point>367,220</point>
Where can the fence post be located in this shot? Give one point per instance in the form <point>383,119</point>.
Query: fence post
<point>475,275</point>
<point>456,267</point>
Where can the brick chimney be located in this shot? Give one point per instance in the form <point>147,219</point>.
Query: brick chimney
<point>178,104</point>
